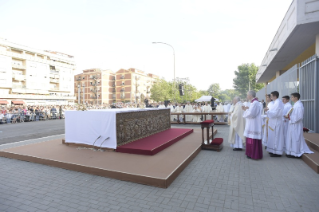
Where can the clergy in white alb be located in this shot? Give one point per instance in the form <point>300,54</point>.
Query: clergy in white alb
<point>188,109</point>
<point>172,109</point>
<point>179,109</point>
<point>161,105</point>
<point>236,136</point>
<point>295,141</point>
<point>265,120</point>
<point>275,140</point>
<point>253,129</point>
<point>220,109</point>
<point>287,107</point>
<point>196,118</point>
<point>207,109</point>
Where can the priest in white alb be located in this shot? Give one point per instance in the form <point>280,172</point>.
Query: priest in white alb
<point>220,109</point>
<point>236,136</point>
<point>188,109</point>
<point>179,109</point>
<point>275,140</point>
<point>287,108</point>
<point>265,120</point>
<point>207,109</point>
<point>172,109</point>
<point>295,142</point>
<point>253,128</point>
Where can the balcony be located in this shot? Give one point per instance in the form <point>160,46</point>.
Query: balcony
<point>19,77</point>
<point>54,80</point>
<point>52,71</point>
<point>18,66</point>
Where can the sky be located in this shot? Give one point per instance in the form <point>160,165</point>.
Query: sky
<point>211,38</point>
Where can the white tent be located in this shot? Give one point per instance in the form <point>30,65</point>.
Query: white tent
<point>205,99</point>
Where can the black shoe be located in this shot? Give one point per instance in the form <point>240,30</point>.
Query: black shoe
<point>291,156</point>
<point>236,149</point>
<point>274,155</point>
<point>248,157</point>
<point>265,147</point>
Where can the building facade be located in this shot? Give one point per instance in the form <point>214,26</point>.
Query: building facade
<point>106,87</point>
<point>35,77</point>
<point>98,86</point>
<point>291,63</point>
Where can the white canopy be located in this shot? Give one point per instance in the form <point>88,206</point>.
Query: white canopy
<point>205,99</point>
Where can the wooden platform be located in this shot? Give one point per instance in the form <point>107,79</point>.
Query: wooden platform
<point>312,160</point>
<point>159,170</point>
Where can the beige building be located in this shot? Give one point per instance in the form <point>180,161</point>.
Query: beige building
<point>35,77</point>
<point>98,86</point>
<point>106,87</point>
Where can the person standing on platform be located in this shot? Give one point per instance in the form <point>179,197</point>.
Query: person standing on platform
<point>253,128</point>
<point>237,126</point>
<point>287,107</point>
<point>188,109</point>
<point>275,140</point>
<point>295,141</point>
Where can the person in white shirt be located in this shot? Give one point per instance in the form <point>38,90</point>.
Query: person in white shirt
<point>275,140</point>
<point>287,107</point>
<point>295,141</point>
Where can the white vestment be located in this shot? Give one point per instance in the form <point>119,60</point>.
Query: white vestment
<point>253,121</point>
<point>161,106</point>
<point>265,120</point>
<point>188,109</point>
<point>196,118</point>
<point>295,142</point>
<point>207,109</point>
<point>285,121</point>
<point>237,127</point>
<point>220,109</point>
<point>179,109</point>
<point>275,140</point>
<point>172,111</point>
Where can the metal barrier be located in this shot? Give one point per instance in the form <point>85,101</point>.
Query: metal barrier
<point>204,115</point>
<point>309,92</point>
<point>28,117</point>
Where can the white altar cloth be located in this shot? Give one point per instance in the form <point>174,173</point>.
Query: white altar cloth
<point>84,127</point>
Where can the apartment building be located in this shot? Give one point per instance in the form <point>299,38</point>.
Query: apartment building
<point>35,77</point>
<point>106,87</point>
<point>133,85</point>
<point>98,86</point>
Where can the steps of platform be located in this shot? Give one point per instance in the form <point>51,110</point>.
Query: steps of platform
<point>312,140</point>
<point>312,160</point>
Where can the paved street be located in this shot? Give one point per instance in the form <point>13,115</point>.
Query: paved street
<point>225,181</point>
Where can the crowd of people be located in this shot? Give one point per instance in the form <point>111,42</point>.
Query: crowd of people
<point>274,124</point>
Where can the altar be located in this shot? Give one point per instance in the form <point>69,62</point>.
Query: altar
<point>114,127</point>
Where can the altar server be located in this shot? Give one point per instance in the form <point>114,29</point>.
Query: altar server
<point>188,109</point>
<point>295,142</point>
<point>236,136</point>
<point>265,120</point>
<point>253,127</point>
<point>287,107</point>
<point>220,109</point>
<point>275,140</point>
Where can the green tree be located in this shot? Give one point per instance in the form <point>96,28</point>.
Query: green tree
<point>245,77</point>
<point>214,90</point>
<point>161,90</point>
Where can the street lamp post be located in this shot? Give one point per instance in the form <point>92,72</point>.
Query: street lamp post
<point>174,63</point>
<point>79,95</point>
<point>83,94</point>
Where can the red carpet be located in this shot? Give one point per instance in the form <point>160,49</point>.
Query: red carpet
<point>155,143</point>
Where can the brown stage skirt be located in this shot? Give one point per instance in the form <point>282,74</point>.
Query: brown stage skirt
<point>254,148</point>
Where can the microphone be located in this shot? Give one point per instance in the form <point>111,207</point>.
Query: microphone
<point>97,139</point>
<point>103,142</point>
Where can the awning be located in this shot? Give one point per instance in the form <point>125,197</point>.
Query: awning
<point>3,102</point>
<point>18,102</point>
